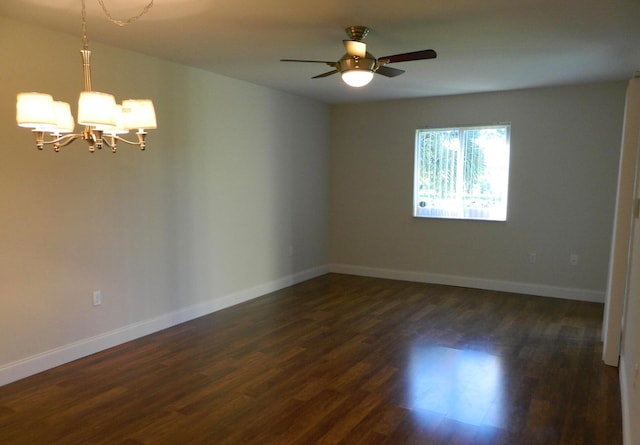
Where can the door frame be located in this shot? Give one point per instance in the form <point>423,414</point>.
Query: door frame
<point>619,262</point>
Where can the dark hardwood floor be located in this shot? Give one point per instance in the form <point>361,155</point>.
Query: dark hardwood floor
<point>339,360</point>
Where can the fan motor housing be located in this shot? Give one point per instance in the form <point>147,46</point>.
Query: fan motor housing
<point>348,63</point>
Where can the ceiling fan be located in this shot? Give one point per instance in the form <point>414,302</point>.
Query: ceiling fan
<point>357,66</point>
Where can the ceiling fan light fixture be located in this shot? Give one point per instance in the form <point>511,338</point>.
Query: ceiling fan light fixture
<point>357,78</point>
<point>358,66</point>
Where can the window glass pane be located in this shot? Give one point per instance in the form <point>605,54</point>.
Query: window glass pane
<point>462,172</point>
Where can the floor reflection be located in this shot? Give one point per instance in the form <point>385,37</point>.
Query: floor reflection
<point>464,385</point>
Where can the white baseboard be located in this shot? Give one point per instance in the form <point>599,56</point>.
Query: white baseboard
<point>477,283</point>
<point>64,354</point>
<point>625,391</point>
<point>50,359</point>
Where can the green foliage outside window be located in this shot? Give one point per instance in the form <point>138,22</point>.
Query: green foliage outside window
<point>462,172</point>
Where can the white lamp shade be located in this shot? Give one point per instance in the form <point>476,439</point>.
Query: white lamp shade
<point>355,48</point>
<point>96,109</point>
<point>357,78</point>
<point>138,114</point>
<point>119,128</point>
<point>35,110</point>
<point>64,119</point>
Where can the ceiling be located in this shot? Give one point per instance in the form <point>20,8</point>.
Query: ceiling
<point>488,45</point>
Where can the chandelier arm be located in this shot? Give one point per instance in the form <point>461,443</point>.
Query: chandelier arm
<point>65,140</point>
<point>140,143</point>
<point>110,141</point>
<point>57,142</point>
<point>94,137</point>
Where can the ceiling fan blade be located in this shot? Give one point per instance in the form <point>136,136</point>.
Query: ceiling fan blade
<point>408,57</point>
<point>387,71</point>
<point>328,73</point>
<point>310,61</point>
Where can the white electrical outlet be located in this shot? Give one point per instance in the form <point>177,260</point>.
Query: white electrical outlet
<point>97,298</point>
<point>532,258</point>
<point>573,259</point>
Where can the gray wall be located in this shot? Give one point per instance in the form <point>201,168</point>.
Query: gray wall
<point>565,145</point>
<point>229,201</point>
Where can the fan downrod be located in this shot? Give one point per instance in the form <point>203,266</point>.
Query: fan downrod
<point>357,33</point>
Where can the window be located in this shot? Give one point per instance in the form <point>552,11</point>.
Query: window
<point>462,173</point>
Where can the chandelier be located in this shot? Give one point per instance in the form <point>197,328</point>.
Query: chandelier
<point>105,122</point>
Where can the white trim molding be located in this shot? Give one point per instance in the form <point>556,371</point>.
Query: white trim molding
<point>35,364</point>
<point>64,354</point>
<point>476,283</point>
<point>625,392</point>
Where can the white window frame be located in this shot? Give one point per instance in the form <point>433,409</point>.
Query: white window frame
<point>484,206</point>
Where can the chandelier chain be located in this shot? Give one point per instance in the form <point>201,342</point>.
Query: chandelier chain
<point>85,41</point>
<point>130,19</point>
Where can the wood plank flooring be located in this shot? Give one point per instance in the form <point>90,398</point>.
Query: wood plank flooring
<point>339,360</point>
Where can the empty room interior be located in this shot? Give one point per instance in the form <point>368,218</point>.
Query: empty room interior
<point>448,253</point>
